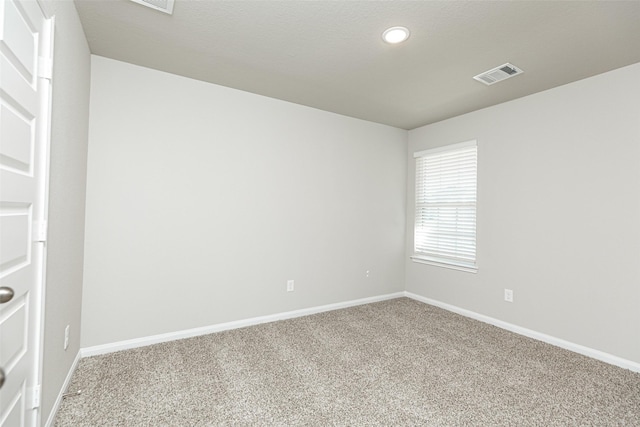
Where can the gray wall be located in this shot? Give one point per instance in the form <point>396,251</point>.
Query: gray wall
<point>558,213</point>
<point>65,246</point>
<point>202,201</point>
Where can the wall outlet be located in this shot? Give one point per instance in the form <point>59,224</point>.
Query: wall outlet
<point>508,295</point>
<point>290,285</point>
<point>367,273</point>
<point>66,337</point>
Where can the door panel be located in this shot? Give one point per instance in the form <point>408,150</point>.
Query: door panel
<point>16,142</point>
<point>14,241</point>
<point>20,39</point>
<point>20,93</point>
<point>15,414</point>
<point>14,346</point>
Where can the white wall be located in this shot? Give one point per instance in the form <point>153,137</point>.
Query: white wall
<point>202,201</point>
<point>558,213</point>
<point>65,245</point>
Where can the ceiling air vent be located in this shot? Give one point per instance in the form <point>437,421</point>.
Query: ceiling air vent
<point>497,74</point>
<point>165,6</point>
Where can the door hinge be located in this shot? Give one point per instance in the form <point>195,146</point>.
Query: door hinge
<point>33,397</point>
<point>45,68</point>
<point>40,229</point>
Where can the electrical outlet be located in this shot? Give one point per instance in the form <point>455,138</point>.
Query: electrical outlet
<point>290,285</point>
<point>508,295</point>
<point>367,273</point>
<point>66,337</point>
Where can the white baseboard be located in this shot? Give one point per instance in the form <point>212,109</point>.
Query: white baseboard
<point>63,390</point>
<point>171,336</point>
<point>567,345</point>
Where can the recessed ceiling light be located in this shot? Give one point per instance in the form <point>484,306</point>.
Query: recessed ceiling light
<point>395,35</point>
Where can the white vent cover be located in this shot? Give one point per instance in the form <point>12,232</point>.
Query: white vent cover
<point>165,6</point>
<point>498,74</point>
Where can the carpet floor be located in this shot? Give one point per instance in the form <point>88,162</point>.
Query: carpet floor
<point>393,363</point>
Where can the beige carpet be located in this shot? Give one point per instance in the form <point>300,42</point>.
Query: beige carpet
<point>397,362</point>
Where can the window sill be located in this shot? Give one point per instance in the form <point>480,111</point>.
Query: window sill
<point>452,266</point>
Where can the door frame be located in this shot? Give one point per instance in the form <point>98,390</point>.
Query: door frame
<point>45,95</point>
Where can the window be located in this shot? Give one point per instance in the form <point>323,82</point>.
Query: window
<point>445,223</point>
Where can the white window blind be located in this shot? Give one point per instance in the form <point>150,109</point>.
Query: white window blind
<point>445,222</point>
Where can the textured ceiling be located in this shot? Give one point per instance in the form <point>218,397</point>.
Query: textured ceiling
<point>330,55</point>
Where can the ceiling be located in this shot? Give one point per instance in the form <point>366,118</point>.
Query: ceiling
<point>330,54</point>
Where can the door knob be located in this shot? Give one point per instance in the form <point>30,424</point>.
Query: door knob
<point>1,377</point>
<point>5,294</point>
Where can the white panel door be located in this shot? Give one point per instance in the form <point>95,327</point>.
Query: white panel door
<point>23,144</point>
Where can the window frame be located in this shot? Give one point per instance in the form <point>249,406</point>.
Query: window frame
<point>435,258</point>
